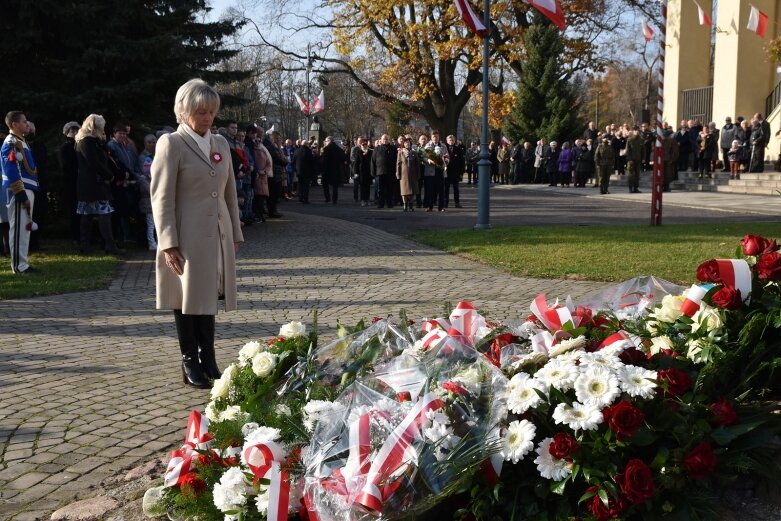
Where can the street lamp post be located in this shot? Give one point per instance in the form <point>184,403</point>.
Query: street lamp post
<point>484,164</point>
<point>308,93</point>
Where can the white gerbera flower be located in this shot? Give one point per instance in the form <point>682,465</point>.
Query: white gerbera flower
<point>607,359</point>
<point>292,330</point>
<point>263,364</point>
<point>638,381</point>
<point>578,416</point>
<point>597,386</point>
<point>558,374</point>
<point>522,395</point>
<point>548,466</point>
<point>222,384</point>
<point>571,356</point>
<point>518,440</point>
<point>231,491</point>
<point>567,345</point>
<point>249,351</point>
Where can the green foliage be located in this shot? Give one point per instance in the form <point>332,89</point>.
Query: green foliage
<point>546,101</point>
<point>124,60</point>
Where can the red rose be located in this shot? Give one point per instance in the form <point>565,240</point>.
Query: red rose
<point>769,266</point>
<point>602,512</point>
<point>636,482</point>
<point>563,446</point>
<point>678,382</point>
<point>756,245</point>
<point>723,412</point>
<point>192,486</point>
<point>454,388</point>
<point>624,419</point>
<point>708,271</point>
<point>700,461</point>
<point>632,356</point>
<point>272,341</point>
<point>727,298</point>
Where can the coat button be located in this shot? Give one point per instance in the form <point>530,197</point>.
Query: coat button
<point>212,173</point>
<point>214,194</point>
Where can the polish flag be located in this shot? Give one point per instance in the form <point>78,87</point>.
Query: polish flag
<point>470,18</point>
<point>550,9</point>
<point>704,18</point>
<point>757,21</point>
<point>648,32</point>
<point>319,103</point>
<point>506,141</point>
<point>302,104</point>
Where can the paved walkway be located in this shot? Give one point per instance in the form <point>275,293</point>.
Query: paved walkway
<point>89,382</point>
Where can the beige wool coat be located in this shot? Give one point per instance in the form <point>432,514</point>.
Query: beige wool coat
<point>195,209</point>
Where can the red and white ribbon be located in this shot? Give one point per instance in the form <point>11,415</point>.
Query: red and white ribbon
<point>465,319</point>
<point>694,298</point>
<point>542,342</point>
<point>265,460</point>
<point>618,340</point>
<point>736,273</point>
<point>181,462</point>
<point>394,452</point>
<point>552,318</point>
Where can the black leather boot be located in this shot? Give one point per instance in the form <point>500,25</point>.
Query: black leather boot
<point>192,374</point>
<point>204,330</point>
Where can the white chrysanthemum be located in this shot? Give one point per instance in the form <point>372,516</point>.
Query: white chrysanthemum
<point>262,435</point>
<point>670,309</point>
<point>292,330</point>
<point>262,500</point>
<point>222,384</point>
<point>249,351</point>
<point>638,381</point>
<point>232,412</point>
<point>282,410</point>
<point>558,374</point>
<point>567,345</point>
<point>518,440</point>
<point>578,416</point>
<point>231,491</point>
<point>709,318</point>
<point>597,386</point>
<point>605,359</point>
<point>522,394</point>
<point>548,466</point>
<point>263,364</point>
<point>660,343</point>
<point>316,409</point>
<point>211,412</point>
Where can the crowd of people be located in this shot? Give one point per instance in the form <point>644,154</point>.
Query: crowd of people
<point>406,172</point>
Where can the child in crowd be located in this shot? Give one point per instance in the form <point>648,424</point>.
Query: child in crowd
<point>734,160</point>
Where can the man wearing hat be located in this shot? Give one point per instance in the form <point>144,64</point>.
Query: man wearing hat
<point>70,170</point>
<point>20,182</point>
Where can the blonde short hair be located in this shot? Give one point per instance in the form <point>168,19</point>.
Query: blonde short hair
<point>191,96</point>
<point>94,126</point>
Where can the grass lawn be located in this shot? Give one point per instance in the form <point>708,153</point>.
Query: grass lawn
<point>603,253</point>
<point>61,271</point>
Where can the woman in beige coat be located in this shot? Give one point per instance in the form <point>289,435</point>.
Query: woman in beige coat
<point>196,215</point>
<point>407,173</point>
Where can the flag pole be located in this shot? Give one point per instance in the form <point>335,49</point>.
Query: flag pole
<point>658,172</point>
<point>484,164</point>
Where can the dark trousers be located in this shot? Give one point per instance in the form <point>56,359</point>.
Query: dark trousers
<point>757,159</point>
<point>274,193</point>
<point>366,187</point>
<point>434,191</point>
<point>725,160</point>
<point>356,188</point>
<point>385,191</point>
<point>452,180</point>
<point>304,183</point>
<point>331,191</point>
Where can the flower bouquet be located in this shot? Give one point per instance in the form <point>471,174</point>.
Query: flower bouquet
<point>640,403</point>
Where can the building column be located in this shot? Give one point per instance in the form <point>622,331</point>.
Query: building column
<point>687,57</point>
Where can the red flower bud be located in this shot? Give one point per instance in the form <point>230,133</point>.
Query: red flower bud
<point>727,298</point>
<point>708,271</point>
<point>757,245</point>
<point>769,266</point>
<point>723,412</point>
<point>563,446</point>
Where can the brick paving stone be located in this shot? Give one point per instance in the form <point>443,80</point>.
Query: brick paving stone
<point>25,481</point>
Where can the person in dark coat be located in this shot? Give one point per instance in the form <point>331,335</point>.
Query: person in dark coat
<point>304,162</point>
<point>333,158</point>
<point>527,163</point>
<point>363,169</point>
<point>69,163</point>
<point>383,169</point>
<point>584,166</point>
<point>455,169</point>
<point>552,163</point>
<point>93,187</point>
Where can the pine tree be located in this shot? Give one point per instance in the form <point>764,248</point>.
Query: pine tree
<point>547,103</point>
<point>120,58</point>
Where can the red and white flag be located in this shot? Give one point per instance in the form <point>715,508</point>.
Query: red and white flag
<point>703,16</point>
<point>319,104</point>
<point>471,19</point>
<point>506,141</point>
<point>550,9</point>
<point>648,32</point>
<point>302,104</point>
<point>757,21</point>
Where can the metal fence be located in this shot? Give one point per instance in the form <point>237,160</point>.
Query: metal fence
<point>773,100</point>
<point>698,104</point>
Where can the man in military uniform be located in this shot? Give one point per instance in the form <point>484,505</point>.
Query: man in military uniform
<point>605,160</point>
<point>635,149</point>
<point>20,182</point>
<point>670,152</point>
